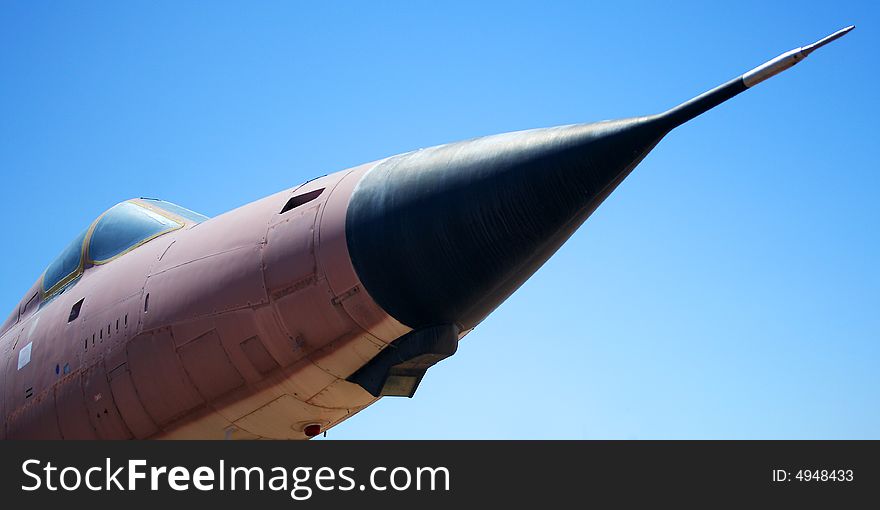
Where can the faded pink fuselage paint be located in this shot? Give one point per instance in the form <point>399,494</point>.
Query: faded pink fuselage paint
<point>243,326</point>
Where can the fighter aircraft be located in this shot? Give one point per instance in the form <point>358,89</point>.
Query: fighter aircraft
<point>286,316</point>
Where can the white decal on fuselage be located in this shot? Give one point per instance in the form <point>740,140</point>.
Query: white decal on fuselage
<point>24,355</point>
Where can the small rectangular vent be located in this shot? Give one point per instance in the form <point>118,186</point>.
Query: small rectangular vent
<point>28,393</point>
<point>74,310</point>
<point>301,199</point>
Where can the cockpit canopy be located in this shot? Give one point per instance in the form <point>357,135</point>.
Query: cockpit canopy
<point>119,230</point>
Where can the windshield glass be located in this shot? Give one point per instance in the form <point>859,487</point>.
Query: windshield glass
<point>64,268</point>
<point>175,209</point>
<point>123,227</point>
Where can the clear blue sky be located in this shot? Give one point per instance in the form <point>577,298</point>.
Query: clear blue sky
<point>728,289</point>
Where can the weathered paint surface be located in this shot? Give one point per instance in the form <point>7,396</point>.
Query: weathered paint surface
<point>243,326</point>
<point>249,325</point>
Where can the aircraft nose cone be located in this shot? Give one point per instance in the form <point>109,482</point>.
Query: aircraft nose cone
<point>443,235</point>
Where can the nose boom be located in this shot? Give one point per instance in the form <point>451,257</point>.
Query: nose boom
<point>443,235</point>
